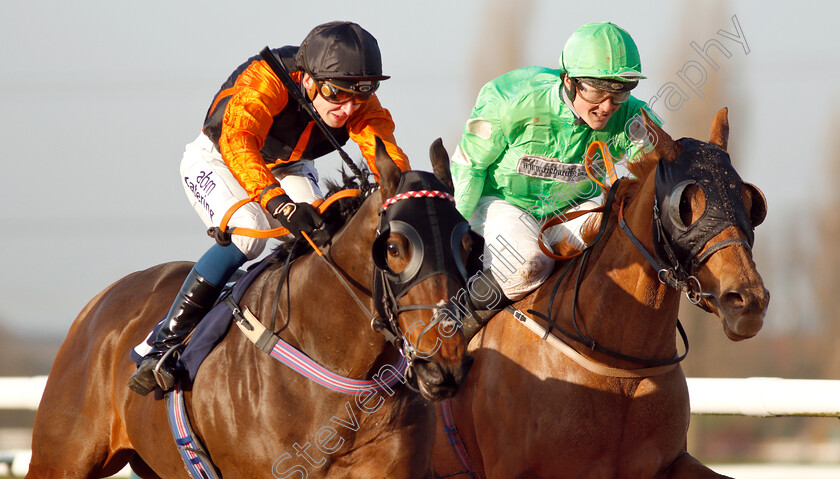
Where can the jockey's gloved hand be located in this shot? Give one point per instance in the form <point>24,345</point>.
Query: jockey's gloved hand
<point>297,217</point>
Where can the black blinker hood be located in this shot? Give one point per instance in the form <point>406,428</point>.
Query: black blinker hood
<point>710,168</point>
<point>438,243</point>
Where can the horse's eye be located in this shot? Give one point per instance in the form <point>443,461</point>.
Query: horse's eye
<point>393,249</point>
<point>692,204</point>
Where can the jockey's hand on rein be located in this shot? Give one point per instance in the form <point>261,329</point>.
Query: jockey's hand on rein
<point>297,217</point>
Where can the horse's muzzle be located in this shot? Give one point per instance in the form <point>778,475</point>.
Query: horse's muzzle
<point>742,311</point>
<point>437,380</point>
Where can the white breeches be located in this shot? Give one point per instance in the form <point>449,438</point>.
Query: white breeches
<point>511,246</point>
<point>212,190</point>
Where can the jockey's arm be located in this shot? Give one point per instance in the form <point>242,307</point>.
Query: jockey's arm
<point>482,145</point>
<point>368,122</point>
<point>258,97</point>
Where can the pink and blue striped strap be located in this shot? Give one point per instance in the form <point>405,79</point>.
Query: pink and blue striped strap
<point>304,365</point>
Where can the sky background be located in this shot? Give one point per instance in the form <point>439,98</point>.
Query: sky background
<point>99,98</point>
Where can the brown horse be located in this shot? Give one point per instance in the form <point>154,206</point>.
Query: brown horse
<point>257,417</point>
<point>615,404</point>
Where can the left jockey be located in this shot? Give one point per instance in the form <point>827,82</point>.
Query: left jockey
<point>258,142</point>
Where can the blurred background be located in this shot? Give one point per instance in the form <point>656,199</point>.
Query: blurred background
<point>100,97</point>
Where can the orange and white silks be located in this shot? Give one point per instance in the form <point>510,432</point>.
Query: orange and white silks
<point>257,98</point>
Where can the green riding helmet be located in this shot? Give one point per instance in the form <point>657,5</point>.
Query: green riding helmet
<point>602,51</point>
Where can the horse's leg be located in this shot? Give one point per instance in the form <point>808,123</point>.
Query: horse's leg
<point>397,443</point>
<point>150,435</point>
<point>687,467</point>
<point>141,469</point>
<point>81,427</point>
<point>444,461</point>
<point>145,419</point>
<point>76,432</point>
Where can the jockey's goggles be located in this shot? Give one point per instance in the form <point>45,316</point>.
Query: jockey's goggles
<point>342,91</point>
<point>596,96</point>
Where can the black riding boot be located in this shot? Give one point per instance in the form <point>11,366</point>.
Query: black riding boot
<point>487,299</point>
<point>193,301</point>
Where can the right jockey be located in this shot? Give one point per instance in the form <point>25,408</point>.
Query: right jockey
<point>520,160</point>
<point>259,143</point>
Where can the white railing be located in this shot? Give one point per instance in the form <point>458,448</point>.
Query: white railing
<point>759,397</point>
<point>765,397</point>
<point>21,393</point>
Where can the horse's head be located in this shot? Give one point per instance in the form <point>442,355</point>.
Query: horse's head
<point>423,251</point>
<point>704,217</point>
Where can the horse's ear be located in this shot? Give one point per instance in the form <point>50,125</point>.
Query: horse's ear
<point>720,128</point>
<point>389,172</point>
<point>663,145</point>
<point>758,203</point>
<point>440,163</point>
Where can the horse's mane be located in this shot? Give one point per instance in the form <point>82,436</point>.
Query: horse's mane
<point>344,209</point>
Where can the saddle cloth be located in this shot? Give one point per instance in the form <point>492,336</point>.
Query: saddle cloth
<point>210,330</point>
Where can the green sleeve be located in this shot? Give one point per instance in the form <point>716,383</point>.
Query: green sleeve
<point>482,145</point>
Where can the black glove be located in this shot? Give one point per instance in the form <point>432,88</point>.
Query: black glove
<point>297,217</point>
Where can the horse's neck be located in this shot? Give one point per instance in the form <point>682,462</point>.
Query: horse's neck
<point>621,304</point>
<point>317,314</point>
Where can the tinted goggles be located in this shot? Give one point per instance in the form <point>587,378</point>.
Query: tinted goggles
<point>339,92</point>
<point>596,96</point>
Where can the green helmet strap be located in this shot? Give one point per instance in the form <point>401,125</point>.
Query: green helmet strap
<point>570,92</point>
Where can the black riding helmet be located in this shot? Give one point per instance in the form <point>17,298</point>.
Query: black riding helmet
<point>340,51</point>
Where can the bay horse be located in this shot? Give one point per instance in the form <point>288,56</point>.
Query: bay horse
<point>615,404</point>
<point>256,417</point>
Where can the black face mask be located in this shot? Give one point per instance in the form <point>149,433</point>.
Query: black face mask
<point>436,246</point>
<point>709,168</point>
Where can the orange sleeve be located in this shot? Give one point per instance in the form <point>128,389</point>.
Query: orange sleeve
<point>258,95</point>
<point>368,122</point>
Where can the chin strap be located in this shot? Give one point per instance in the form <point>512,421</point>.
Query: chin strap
<point>568,101</point>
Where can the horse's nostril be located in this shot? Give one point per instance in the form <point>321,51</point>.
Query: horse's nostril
<point>732,299</point>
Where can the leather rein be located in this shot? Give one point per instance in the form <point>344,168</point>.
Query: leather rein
<point>387,303</point>
<point>677,276</point>
<point>584,256</point>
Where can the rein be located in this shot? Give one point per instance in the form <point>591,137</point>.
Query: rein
<point>222,234</point>
<point>678,276</point>
<point>578,336</point>
<point>269,342</point>
<point>582,360</point>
